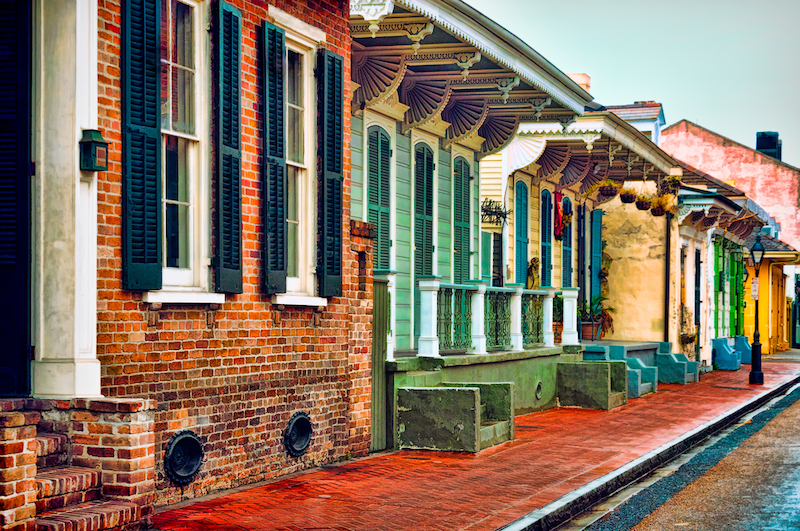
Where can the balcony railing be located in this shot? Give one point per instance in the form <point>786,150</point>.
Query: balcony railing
<point>454,316</point>
<point>498,318</point>
<point>533,317</point>
<point>476,318</point>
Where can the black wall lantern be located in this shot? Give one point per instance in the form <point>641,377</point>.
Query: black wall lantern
<point>183,457</point>
<point>94,151</point>
<point>297,436</point>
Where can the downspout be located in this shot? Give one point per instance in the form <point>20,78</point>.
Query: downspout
<point>666,277</point>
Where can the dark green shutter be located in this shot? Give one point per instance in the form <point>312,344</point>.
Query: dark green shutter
<point>141,141</point>
<point>379,158</point>
<point>566,248</point>
<point>15,195</point>
<point>596,261</point>
<point>486,256</point>
<point>423,222</point>
<point>228,259</point>
<point>461,185</point>
<point>521,233</point>
<point>274,170</point>
<point>330,101</point>
<point>546,235</point>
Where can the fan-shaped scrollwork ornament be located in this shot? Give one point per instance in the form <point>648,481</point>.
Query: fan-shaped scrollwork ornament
<point>524,150</point>
<point>465,117</point>
<point>497,132</point>
<point>378,77</point>
<point>425,98</point>
<point>576,169</point>
<point>554,159</point>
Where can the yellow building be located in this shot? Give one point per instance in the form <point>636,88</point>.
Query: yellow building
<point>772,312</point>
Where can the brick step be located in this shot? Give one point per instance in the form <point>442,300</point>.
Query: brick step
<point>51,450</point>
<point>92,516</point>
<point>65,486</point>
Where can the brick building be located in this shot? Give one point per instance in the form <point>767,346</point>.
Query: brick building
<point>231,297</point>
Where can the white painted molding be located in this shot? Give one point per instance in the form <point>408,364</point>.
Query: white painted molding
<point>285,20</point>
<point>523,151</point>
<point>183,297</point>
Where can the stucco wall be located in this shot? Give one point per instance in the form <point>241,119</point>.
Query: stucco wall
<point>769,182</point>
<point>636,243</point>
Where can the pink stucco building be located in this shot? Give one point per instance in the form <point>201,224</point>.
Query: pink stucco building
<point>771,183</point>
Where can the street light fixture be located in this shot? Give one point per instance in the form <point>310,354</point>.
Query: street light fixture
<point>757,254</point>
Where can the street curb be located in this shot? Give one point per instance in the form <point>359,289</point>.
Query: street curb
<point>570,505</point>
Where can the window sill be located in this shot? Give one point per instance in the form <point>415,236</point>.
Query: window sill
<point>299,300</point>
<point>183,297</point>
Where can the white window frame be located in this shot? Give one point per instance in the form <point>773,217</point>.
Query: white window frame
<point>192,285</point>
<point>305,283</point>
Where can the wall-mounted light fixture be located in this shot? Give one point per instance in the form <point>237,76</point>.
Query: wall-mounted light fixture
<point>94,151</point>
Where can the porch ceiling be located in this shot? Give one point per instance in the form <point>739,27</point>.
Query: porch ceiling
<point>441,64</point>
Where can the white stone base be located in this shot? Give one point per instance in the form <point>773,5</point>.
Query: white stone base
<point>65,379</point>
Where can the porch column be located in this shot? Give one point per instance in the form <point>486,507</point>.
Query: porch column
<point>516,318</point>
<point>65,203</point>
<point>547,318</point>
<point>478,309</point>
<point>428,319</point>
<point>570,334</point>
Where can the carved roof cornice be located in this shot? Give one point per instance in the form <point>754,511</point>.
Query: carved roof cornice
<point>490,39</point>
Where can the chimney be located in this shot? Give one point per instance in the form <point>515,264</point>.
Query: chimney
<point>583,80</point>
<point>767,142</point>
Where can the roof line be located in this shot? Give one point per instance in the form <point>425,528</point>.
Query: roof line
<point>455,16</point>
<point>772,159</point>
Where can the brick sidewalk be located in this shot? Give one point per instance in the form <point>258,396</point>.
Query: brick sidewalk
<point>556,451</point>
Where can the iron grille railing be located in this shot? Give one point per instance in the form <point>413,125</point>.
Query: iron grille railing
<point>532,317</point>
<point>497,317</point>
<point>454,316</point>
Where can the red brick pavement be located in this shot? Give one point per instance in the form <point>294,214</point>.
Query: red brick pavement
<point>556,451</point>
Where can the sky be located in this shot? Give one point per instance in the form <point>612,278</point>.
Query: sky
<point>731,66</point>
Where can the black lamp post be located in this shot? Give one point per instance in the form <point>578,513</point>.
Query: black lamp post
<point>756,376</point>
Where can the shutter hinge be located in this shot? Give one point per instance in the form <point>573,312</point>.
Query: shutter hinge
<point>33,169</point>
<point>391,243</point>
<point>32,352</point>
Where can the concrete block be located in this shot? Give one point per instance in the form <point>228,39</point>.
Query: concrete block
<point>587,384</point>
<point>670,369</point>
<point>742,347</point>
<point>439,418</point>
<point>723,356</point>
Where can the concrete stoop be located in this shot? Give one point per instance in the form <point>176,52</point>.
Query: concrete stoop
<point>723,354</point>
<point>592,384</point>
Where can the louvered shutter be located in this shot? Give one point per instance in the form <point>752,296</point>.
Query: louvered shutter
<point>15,198</point>
<point>330,99</point>
<point>461,184</point>
<point>521,233</point>
<point>486,257</point>
<point>566,249</point>
<point>379,158</point>
<point>141,151</point>
<point>274,169</point>
<point>423,210</point>
<point>596,261</point>
<point>228,260</point>
<point>546,238</point>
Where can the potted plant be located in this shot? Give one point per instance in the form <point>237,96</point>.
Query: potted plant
<point>608,188</point>
<point>595,316</point>
<point>643,201</point>
<point>673,182</point>
<point>662,204</point>
<point>627,195</point>
<point>558,317</point>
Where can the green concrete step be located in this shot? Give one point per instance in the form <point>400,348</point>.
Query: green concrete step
<point>494,432</point>
<point>617,399</point>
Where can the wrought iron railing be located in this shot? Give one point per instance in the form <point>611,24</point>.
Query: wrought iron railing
<point>454,316</point>
<point>497,318</point>
<point>532,317</point>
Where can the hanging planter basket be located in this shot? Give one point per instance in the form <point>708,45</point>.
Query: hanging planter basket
<point>658,211</point>
<point>643,204</point>
<point>627,198</point>
<point>608,191</point>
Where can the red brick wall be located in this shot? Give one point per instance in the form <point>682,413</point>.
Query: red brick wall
<point>773,185</point>
<point>236,374</point>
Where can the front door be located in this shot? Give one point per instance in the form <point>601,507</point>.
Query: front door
<point>380,331</point>
<point>15,196</point>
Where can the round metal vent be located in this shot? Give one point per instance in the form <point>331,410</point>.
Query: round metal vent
<point>183,457</point>
<point>297,436</point>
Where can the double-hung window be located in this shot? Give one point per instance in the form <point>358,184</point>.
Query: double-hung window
<point>303,171</point>
<point>181,131</point>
